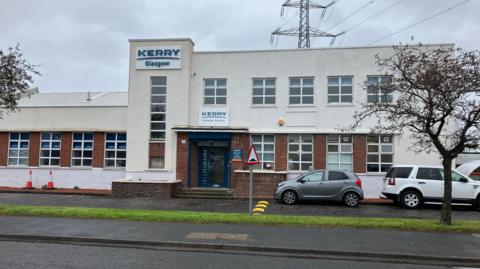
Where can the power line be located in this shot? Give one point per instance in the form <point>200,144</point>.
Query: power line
<point>350,15</point>
<point>374,15</point>
<point>421,21</point>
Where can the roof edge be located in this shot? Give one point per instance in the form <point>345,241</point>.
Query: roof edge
<point>160,39</point>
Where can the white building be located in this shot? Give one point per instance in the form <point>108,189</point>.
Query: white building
<point>189,118</point>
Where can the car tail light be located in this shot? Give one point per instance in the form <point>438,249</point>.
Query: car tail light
<point>358,182</point>
<point>391,181</point>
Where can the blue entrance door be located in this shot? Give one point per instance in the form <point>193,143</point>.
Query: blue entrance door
<point>213,167</point>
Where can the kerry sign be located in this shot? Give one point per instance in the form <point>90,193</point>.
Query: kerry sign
<point>158,58</point>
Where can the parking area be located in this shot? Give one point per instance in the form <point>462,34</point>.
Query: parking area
<point>218,205</point>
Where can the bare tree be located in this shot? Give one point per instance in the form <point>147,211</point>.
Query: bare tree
<point>16,75</point>
<point>435,98</point>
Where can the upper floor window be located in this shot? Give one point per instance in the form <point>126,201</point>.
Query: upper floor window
<point>215,91</point>
<point>340,89</point>
<point>379,153</point>
<point>50,149</point>
<point>300,152</point>
<point>339,152</point>
<point>158,108</point>
<point>18,149</point>
<point>301,91</point>
<point>82,149</point>
<point>378,89</point>
<point>115,150</point>
<point>263,91</point>
<point>265,146</point>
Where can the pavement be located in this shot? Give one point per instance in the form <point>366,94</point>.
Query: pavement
<point>391,246</point>
<point>214,205</point>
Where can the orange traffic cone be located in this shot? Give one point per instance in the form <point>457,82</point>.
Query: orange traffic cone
<point>29,184</point>
<point>50,181</point>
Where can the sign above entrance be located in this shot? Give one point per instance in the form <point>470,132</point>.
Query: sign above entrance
<point>158,58</point>
<point>252,156</point>
<point>213,116</point>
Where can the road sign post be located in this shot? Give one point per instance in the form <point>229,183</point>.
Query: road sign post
<point>251,160</point>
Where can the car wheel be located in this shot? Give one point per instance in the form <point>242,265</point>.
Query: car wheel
<point>351,199</point>
<point>478,202</point>
<point>289,197</point>
<point>411,199</point>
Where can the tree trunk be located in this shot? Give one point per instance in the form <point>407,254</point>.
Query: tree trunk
<point>446,217</point>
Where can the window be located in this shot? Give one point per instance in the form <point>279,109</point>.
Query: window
<point>18,149</point>
<point>215,91</point>
<point>336,175</point>
<point>315,177</point>
<point>158,108</point>
<point>263,91</point>
<point>115,150</point>
<point>82,149</point>
<point>301,91</point>
<point>340,89</point>
<point>265,146</point>
<point>430,173</point>
<point>379,153</point>
<point>300,152</point>
<point>339,152</point>
<point>378,89</point>
<point>399,172</point>
<point>50,149</point>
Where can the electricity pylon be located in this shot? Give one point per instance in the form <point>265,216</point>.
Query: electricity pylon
<point>303,30</point>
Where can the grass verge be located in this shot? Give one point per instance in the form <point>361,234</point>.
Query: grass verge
<point>239,218</point>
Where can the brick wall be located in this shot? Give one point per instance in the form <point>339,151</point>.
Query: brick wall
<point>281,152</point>
<point>182,158</point>
<point>34,149</point>
<point>144,189</point>
<point>3,148</point>
<point>66,149</point>
<point>98,149</point>
<point>263,184</point>
<point>319,151</point>
<point>359,153</point>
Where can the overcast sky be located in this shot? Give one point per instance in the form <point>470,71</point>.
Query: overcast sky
<point>83,45</point>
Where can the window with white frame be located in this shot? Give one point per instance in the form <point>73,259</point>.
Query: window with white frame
<point>265,146</point>
<point>340,89</point>
<point>379,90</point>
<point>82,149</point>
<point>301,91</point>
<point>115,150</point>
<point>379,153</point>
<point>215,91</point>
<point>300,152</point>
<point>50,149</point>
<point>158,108</point>
<point>339,152</point>
<point>263,91</point>
<point>18,149</point>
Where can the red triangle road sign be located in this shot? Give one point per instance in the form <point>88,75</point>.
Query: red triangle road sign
<point>252,156</point>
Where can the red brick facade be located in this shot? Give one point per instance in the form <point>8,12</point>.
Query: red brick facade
<point>66,149</point>
<point>281,152</point>
<point>263,187</point>
<point>182,158</point>
<point>3,148</point>
<point>359,153</point>
<point>98,149</point>
<point>319,151</point>
<point>34,149</point>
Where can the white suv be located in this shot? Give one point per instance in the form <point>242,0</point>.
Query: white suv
<point>411,185</point>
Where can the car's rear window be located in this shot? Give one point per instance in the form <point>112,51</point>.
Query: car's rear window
<point>400,172</point>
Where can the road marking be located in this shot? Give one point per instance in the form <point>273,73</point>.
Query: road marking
<point>476,235</point>
<point>213,236</point>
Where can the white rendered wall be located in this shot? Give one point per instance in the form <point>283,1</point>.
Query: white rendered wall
<point>95,178</point>
<point>66,119</point>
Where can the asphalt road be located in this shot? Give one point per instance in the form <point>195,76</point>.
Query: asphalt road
<point>214,205</point>
<point>40,255</point>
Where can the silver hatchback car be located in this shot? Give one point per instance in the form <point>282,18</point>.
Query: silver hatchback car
<point>341,186</point>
